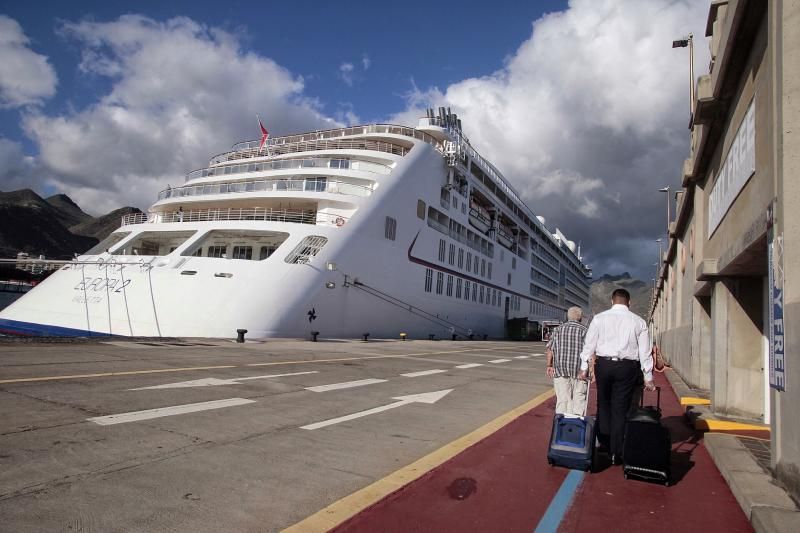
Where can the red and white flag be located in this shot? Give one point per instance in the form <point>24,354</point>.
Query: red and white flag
<point>264,134</point>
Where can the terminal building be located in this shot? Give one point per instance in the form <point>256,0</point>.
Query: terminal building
<point>726,304</point>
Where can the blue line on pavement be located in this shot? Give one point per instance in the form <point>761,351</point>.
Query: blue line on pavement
<point>558,507</point>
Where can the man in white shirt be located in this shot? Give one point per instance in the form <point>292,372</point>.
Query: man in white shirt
<point>621,342</point>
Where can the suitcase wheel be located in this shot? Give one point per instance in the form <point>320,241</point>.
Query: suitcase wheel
<point>625,475</point>
<point>550,462</point>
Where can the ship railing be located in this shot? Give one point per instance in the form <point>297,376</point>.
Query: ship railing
<point>335,133</point>
<point>269,185</point>
<point>235,214</point>
<point>296,163</point>
<point>252,148</point>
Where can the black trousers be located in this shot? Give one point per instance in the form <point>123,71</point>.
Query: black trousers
<point>616,381</point>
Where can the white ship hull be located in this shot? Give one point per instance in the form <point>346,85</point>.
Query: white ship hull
<point>377,286</point>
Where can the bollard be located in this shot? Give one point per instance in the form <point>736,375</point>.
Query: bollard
<point>454,336</point>
<point>431,336</point>
<point>314,336</point>
<point>365,335</point>
<point>240,335</point>
<point>472,336</point>
<point>403,336</point>
<point>485,336</point>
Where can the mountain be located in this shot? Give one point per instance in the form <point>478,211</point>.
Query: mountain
<point>68,211</point>
<point>102,226</point>
<point>603,286</point>
<point>55,227</point>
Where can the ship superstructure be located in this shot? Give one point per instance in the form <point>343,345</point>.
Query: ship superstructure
<point>378,229</point>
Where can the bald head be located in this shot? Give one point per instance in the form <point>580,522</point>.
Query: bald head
<point>575,313</point>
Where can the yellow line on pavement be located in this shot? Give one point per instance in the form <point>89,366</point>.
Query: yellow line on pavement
<point>704,424</point>
<point>344,509</point>
<point>187,369</point>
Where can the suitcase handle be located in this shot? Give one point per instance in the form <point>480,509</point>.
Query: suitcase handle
<point>658,397</point>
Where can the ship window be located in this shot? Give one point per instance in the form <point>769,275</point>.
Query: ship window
<point>265,252</point>
<point>306,249</point>
<point>316,184</point>
<point>469,261</point>
<point>428,279</point>
<point>441,250</point>
<point>509,278</point>
<point>340,163</point>
<point>250,186</point>
<point>494,297</point>
<point>390,228</point>
<point>475,265</point>
<point>458,287</point>
<point>460,258</point>
<point>260,186</point>
<point>483,267</point>
<point>481,294</point>
<point>474,292</point>
<point>490,271</point>
<point>452,255</point>
<point>420,210</point>
<point>466,290</point>
<point>514,262</point>
<point>439,282</point>
<point>198,252</point>
<point>449,285</point>
<point>463,208</point>
<point>307,163</point>
<point>216,251</point>
<point>242,252</point>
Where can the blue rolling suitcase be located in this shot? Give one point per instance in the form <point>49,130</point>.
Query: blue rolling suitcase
<point>572,441</point>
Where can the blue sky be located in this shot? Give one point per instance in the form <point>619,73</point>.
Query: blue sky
<point>582,104</point>
<point>422,42</point>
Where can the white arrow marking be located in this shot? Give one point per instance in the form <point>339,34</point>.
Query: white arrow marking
<point>135,416</point>
<point>344,385</point>
<point>469,365</point>
<point>426,397</point>
<point>495,361</point>
<point>213,382</point>
<point>537,354</point>
<point>522,357</point>
<point>423,373</point>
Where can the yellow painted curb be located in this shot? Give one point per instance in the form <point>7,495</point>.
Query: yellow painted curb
<point>336,513</point>
<point>727,425</point>
<point>691,400</point>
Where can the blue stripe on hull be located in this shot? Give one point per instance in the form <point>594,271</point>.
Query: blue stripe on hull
<point>30,329</point>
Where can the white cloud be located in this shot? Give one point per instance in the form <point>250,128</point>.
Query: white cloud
<point>588,117</point>
<point>26,78</point>
<point>180,92</point>
<point>346,73</point>
<point>366,62</point>
<point>18,171</point>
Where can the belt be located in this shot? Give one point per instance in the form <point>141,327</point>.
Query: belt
<point>615,358</point>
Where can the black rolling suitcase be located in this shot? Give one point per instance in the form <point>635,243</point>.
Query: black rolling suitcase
<point>647,447</point>
<point>572,440</point>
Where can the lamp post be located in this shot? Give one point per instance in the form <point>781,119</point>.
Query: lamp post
<point>683,43</point>
<point>666,190</point>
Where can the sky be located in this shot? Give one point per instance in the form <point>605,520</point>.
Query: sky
<point>583,105</point>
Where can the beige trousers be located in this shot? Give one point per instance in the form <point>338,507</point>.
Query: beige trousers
<point>570,395</point>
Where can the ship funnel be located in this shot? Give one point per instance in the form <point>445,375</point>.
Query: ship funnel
<point>542,220</point>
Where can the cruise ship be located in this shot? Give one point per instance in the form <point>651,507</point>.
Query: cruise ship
<point>379,229</point>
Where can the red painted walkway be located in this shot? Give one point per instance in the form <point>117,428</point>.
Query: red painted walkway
<point>503,483</point>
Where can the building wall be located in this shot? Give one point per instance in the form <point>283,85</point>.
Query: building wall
<point>785,26</point>
<point>720,300</point>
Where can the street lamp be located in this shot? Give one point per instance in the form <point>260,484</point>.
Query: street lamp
<point>683,43</point>
<point>666,190</point>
